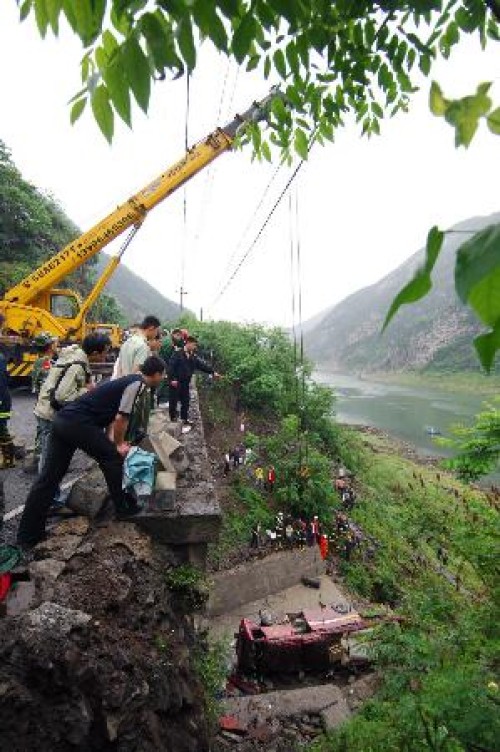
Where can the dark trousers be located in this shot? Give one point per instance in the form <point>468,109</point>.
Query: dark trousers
<point>65,439</point>
<point>179,394</point>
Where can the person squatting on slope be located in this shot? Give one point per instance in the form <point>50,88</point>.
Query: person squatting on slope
<point>183,363</point>
<point>81,425</point>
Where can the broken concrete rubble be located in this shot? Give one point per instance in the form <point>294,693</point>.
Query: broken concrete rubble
<point>103,664</point>
<point>98,658</point>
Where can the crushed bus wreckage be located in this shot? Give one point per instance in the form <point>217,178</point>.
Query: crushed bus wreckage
<point>312,640</point>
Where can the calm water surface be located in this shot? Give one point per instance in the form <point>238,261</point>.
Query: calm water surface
<point>403,411</point>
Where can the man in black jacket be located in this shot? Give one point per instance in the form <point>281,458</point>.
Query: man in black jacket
<point>81,424</point>
<point>181,367</point>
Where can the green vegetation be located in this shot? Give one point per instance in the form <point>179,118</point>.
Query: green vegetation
<point>32,228</point>
<point>477,446</point>
<point>435,560</point>
<point>210,661</point>
<point>337,60</point>
<point>190,586</point>
<point>447,381</point>
<point>430,553</point>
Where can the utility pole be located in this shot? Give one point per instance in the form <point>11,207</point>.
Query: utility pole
<point>182,292</point>
<point>201,314</point>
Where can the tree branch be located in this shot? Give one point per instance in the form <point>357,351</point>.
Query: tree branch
<point>494,6</point>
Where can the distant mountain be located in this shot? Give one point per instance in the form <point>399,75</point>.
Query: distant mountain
<point>136,297</point>
<point>436,333</point>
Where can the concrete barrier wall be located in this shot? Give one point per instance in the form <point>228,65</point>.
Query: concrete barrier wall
<point>260,578</point>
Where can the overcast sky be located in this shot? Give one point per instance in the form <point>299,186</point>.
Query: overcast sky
<point>364,205</point>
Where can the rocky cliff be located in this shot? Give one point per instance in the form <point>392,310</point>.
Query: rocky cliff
<point>435,333</point>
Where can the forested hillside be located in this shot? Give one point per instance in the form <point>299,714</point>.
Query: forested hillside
<point>435,333</point>
<point>135,297</point>
<point>33,227</point>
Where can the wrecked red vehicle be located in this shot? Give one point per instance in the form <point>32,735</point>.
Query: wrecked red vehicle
<point>312,640</point>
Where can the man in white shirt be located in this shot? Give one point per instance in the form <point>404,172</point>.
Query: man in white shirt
<point>137,348</point>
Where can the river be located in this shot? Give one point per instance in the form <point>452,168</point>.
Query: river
<point>403,411</point>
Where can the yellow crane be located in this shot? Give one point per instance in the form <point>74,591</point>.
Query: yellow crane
<point>37,305</point>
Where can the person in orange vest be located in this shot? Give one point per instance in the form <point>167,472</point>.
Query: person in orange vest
<point>323,546</point>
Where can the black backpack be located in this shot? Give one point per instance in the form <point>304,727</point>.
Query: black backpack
<point>55,404</point>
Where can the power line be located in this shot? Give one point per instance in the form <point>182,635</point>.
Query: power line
<point>252,218</point>
<point>258,235</point>
<point>210,173</point>
<point>185,206</point>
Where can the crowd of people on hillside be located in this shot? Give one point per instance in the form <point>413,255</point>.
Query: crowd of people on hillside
<point>105,418</point>
<point>338,534</point>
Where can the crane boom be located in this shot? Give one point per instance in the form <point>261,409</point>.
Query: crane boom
<point>133,212</point>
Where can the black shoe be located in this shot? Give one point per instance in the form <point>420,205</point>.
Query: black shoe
<point>127,512</point>
<point>128,508</point>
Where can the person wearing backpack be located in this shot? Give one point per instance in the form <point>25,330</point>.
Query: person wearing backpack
<point>82,424</point>
<point>68,378</point>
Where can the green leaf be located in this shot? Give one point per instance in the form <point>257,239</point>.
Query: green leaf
<point>437,103</point>
<point>244,36</point>
<point>484,298</point>
<point>53,10</point>
<point>293,58</point>
<point>228,7</point>
<point>253,63</point>
<point>493,121</point>
<point>465,20</point>
<point>41,17</point>
<point>118,89</point>
<point>421,283</point>
<point>478,259</point>
<point>25,9</point>
<point>109,42</point>
<point>137,71</point>
<point>279,63</point>
<point>82,10</point>
<point>301,144</point>
<point>77,110</point>
<point>103,112</point>
<point>286,8</point>
<point>158,35</point>
<point>186,42</point>
<point>487,345</point>
<point>425,64</point>
<point>266,152</point>
<point>209,23</point>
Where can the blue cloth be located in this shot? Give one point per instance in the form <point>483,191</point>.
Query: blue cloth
<point>139,470</point>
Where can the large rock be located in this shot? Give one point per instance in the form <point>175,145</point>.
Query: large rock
<point>283,703</point>
<point>88,494</point>
<point>335,714</point>
<point>105,664</point>
<point>55,619</point>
